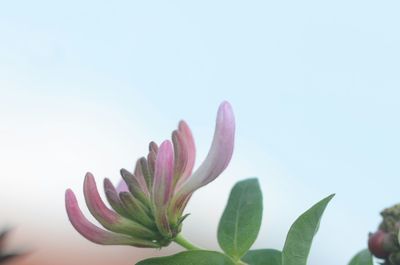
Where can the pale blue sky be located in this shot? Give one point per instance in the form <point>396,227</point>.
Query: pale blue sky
<point>314,85</point>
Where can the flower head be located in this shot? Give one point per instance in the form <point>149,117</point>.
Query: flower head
<point>384,243</point>
<point>148,204</point>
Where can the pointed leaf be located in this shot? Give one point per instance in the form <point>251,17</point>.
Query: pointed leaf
<point>240,223</point>
<point>263,257</point>
<point>301,234</point>
<point>363,257</point>
<point>193,257</point>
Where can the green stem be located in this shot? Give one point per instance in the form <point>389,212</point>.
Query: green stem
<point>180,240</point>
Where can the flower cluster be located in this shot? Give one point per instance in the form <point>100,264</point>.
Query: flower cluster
<point>148,205</point>
<point>384,243</point>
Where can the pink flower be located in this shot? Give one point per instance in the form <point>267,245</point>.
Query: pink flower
<point>147,206</point>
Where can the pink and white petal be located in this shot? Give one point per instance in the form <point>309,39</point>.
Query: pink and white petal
<point>94,233</point>
<point>220,152</point>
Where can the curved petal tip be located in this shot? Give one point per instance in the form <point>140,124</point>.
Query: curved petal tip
<point>81,224</point>
<point>93,232</point>
<point>220,152</point>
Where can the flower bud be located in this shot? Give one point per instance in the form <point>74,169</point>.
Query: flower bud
<point>384,243</point>
<point>147,206</point>
<point>376,244</point>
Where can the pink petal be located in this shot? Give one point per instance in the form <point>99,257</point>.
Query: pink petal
<point>178,205</point>
<point>96,204</point>
<point>163,185</point>
<point>190,147</point>
<point>144,168</point>
<point>151,158</point>
<point>220,152</point>
<point>139,174</point>
<point>180,153</point>
<point>153,147</point>
<point>163,174</point>
<point>94,233</point>
<point>185,153</point>
<point>108,218</point>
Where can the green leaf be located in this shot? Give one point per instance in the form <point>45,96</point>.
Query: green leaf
<point>301,234</point>
<point>363,257</point>
<point>241,220</point>
<point>192,257</point>
<point>263,257</point>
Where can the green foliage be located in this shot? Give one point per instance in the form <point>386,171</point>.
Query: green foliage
<point>239,227</point>
<point>363,257</point>
<point>192,257</point>
<point>241,220</point>
<point>301,234</point>
<point>263,257</point>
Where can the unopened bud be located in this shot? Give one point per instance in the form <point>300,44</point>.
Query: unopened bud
<point>384,243</point>
<point>377,244</point>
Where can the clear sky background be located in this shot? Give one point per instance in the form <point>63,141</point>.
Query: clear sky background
<point>85,85</point>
